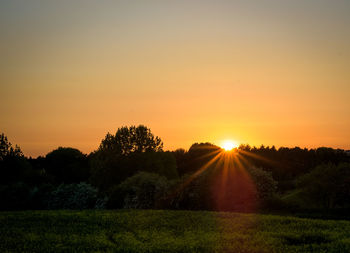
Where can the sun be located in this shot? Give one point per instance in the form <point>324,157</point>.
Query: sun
<point>228,145</point>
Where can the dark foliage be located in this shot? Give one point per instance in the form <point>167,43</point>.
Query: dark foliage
<point>196,157</point>
<point>132,169</point>
<point>129,151</point>
<point>14,167</point>
<point>73,196</point>
<point>142,191</point>
<point>15,196</point>
<point>67,165</point>
<point>128,140</point>
<point>286,164</point>
<point>327,186</point>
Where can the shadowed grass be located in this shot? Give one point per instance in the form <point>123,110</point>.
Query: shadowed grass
<point>167,231</point>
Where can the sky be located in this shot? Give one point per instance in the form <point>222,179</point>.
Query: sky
<point>258,72</point>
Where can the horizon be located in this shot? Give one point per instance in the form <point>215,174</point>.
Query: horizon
<point>220,145</point>
<point>262,72</point>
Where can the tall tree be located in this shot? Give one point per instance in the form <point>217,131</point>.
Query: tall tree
<point>13,165</point>
<point>67,165</point>
<point>6,148</point>
<point>131,139</point>
<point>130,150</point>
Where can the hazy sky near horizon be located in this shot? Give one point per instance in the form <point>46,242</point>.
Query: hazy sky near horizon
<point>258,72</point>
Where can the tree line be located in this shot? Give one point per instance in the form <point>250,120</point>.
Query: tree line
<point>130,169</point>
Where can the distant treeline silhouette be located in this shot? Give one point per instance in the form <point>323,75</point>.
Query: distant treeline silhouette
<point>130,169</point>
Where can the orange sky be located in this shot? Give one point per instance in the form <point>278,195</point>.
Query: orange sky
<point>258,72</point>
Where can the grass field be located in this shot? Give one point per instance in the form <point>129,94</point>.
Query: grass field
<point>167,231</point>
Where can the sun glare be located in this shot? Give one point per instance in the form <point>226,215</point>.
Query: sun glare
<point>229,145</point>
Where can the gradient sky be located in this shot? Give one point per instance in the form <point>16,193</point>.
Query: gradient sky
<point>258,72</point>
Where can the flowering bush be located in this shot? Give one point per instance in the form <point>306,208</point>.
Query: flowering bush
<point>143,190</point>
<point>73,196</point>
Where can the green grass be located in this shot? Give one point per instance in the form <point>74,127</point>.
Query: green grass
<point>167,231</point>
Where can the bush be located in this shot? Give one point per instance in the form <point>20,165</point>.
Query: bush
<point>15,196</point>
<point>143,191</point>
<point>216,190</point>
<point>73,196</point>
<point>327,186</point>
<point>191,193</point>
<point>111,170</point>
<point>67,165</point>
<point>40,196</point>
<point>265,185</point>
<point>276,203</point>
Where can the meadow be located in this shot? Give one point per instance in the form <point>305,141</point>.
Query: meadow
<point>167,231</point>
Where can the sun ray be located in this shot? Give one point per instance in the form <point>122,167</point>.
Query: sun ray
<point>216,151</point>
<point>259,157</point>
<point>198,172</point>
<point>231,186</point>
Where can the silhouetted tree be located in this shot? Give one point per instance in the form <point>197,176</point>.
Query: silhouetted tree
<point>130,150</point>
<point>181,160</point>
<point>67,165</point>
<point>287,164</point>
<point>196,157</point>
<point>129,140</point>
<point>13,165</point>
<point>6,148</point>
